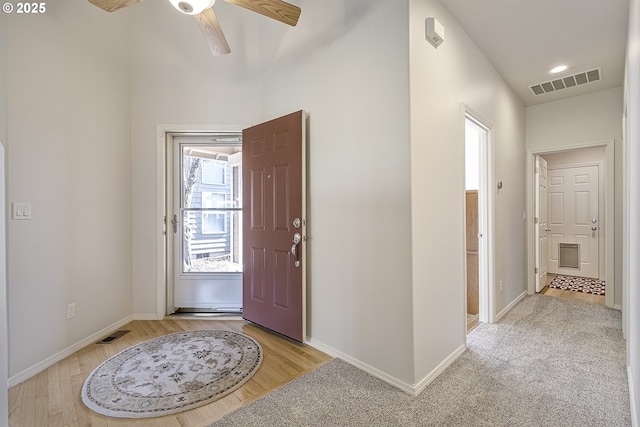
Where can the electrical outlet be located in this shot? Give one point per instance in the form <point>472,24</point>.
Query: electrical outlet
<point>71,310</point>
<point>501,286</point>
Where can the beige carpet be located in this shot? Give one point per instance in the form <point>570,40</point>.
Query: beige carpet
<point>549,362</point>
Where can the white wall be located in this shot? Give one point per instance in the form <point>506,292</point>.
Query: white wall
<point>442,79</point>
<point>68,140</point>
<point>473,140</point>
<point>175,80</point>
<point>632,209</point>
<point>582,119</point>
<point>4,352</point>
<point>347,64</point>
<point>585,119</point>
<point>576,157</point>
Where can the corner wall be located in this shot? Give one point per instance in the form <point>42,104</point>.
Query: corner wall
<point>632,209</point>
<point>68,154</point>
<point>441,79</point>
<point>347,65</point>
<point>4,341</point>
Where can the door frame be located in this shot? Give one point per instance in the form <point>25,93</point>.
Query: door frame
<point>486,220</point>
<point>162,223</point>
<point>609,209</point>
<point>539,260</point>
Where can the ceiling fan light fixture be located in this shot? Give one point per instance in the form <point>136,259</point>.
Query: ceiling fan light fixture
<point>192,7</point>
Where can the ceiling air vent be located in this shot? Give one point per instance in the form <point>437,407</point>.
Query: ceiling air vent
<point>567,82</point>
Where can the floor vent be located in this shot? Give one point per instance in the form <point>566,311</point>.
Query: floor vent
<point>111,338</point>
<point>577,79</point>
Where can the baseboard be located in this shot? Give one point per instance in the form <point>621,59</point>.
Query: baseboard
<point>510,306</point>
<point>632,400</point>
<point>412,389</point>
<point>49,361</point>
<point>439,369</point>
<point>359,364</point>
<point>146,316</point>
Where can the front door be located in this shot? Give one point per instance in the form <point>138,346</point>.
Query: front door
<point>573,219</point>
<point>274,225</point>
<point>206,223</point>
<point>542,227</point>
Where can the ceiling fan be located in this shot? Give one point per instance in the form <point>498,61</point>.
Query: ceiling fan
<point>206,19</point>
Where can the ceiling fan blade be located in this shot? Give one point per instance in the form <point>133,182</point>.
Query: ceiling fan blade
<point>212,32</point>
<point>275,9</point>
<point>113,5</point>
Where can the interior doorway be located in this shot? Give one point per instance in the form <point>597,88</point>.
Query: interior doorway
<point>476,140</point>
<point>592,214</point>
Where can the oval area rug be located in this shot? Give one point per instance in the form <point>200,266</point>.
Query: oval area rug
<point>171,374</point>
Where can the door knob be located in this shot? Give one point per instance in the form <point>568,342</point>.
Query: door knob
<point>594,220</point>
<point>294,248</point>
<point>175,223</point>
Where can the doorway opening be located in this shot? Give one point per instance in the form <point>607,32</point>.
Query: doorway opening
<point>570,224</point>
<point>476,140</point>
<point>204,223</point>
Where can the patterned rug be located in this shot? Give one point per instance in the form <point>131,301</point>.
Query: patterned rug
<point>171,374</point>
<point>578,284</point>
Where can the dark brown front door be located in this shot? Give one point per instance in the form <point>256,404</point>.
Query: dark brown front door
<point>273,288</point>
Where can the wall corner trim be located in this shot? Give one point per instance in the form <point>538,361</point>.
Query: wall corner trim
<point>511,305</point>
<point>412,389</point>
<point>408,388</point>
<point>49,361</point>
<point>418,388</point>
<point>634,410</point>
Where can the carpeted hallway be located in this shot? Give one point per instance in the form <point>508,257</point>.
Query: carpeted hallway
<point>548,362</point>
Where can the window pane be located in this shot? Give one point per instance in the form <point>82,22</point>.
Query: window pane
<point>212,235</point>
<point>213,222</point>
<point>213,171</point>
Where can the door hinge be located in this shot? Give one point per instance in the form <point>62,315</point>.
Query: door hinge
<point>535,220</point>
<point>536,270</point>
<point>536,169</point>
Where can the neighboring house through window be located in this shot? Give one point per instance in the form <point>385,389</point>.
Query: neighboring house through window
<point>213,222</point>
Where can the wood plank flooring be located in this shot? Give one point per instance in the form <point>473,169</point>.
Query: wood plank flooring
<point>52,398</point>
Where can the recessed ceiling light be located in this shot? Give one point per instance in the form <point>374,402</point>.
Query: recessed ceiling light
<point>558,69</point>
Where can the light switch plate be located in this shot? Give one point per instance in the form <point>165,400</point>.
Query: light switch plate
<point>21,211</point>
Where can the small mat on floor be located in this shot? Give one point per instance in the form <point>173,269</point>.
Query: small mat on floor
<point>578,284</point>
<point>171,374</point>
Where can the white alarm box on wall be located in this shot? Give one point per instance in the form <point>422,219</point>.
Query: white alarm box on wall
<point>435,32</point>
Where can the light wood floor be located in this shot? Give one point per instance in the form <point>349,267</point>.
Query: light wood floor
<point>52,398</point>
<point>563,293</point>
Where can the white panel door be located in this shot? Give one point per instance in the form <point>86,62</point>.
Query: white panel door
<point>542,227</point>
<point>573,218</point>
